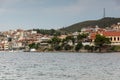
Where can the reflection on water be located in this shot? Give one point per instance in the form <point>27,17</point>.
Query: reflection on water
<point>59,66</point>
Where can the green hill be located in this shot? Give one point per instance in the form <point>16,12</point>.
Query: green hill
<point>104,22</point>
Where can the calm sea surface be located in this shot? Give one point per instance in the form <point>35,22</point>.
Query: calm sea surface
<point>59,66</point>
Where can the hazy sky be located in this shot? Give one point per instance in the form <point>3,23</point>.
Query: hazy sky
<point>47,14</point>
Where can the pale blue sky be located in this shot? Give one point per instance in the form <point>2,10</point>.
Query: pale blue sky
<point>47,14</point>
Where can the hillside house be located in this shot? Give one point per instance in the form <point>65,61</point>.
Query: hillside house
<point>116,26</point>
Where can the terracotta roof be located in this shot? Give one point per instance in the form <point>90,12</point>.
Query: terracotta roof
<point>111,33</point>
<point>30,39</point>
<point>106,33</point>
<point>93,35</point>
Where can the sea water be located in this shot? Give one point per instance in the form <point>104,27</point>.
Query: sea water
<point>59,66</point>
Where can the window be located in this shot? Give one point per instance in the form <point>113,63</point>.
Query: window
<point>111,38</point>
<point>118,38</point>
<point>114,38</point>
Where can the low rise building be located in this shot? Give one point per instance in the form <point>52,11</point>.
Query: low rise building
<point>116,26</point>
<point>113,35</point>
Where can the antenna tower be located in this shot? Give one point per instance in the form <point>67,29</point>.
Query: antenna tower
<point>104,12</point>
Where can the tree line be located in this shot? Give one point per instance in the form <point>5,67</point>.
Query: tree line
<point>75,44</point>
<point>48,32</point>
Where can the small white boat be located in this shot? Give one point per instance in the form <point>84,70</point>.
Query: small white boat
<point>33,50</point>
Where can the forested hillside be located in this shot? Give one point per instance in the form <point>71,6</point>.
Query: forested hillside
<point>104,22</point>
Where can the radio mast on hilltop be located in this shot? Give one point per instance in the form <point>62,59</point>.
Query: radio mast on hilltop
<point>104,13</point>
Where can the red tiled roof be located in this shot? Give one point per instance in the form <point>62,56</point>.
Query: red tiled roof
<point>93,35</point>
<point>111,33</point>
<point>30,39</point>
<point>105,33</point>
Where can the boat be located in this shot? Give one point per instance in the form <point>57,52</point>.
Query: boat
<point>33,50</point>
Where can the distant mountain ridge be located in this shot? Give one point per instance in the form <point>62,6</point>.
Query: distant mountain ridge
<point>104,22</point>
